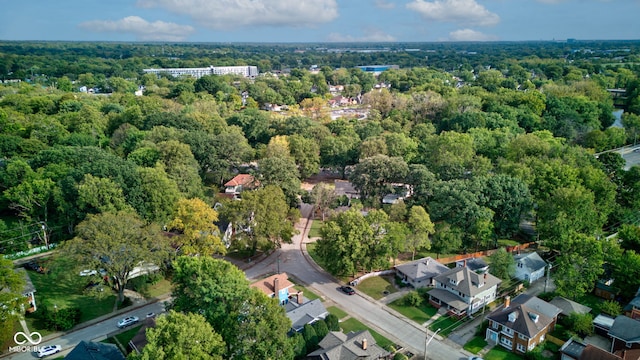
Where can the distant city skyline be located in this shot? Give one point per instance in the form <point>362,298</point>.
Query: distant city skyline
<point>320,20</point>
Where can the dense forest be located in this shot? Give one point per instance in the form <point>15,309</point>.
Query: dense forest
<point>484,135</point>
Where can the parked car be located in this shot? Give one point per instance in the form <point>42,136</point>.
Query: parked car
<point>347,290</point>
<point>35,266</point>
<point>151,315</point>
<point>475,358</point>
<point>49,350</point>
<point>128,321</point>
<point>88,272</point>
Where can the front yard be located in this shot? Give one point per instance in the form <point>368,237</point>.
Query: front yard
<point>447,324</point>
<point>377,287</point>
<point>419,314</point>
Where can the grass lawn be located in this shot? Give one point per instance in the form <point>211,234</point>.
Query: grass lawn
<point>500,353</point>
<point>306,292</point>
<point>447,324</point>
<point>507,242</point>
<point>125,337</point>
<point>314,231</point>
<point>375,286</point>
<point>67,291</point>
<point>475,345</point>
<point>339,313</point>
<point>160,288</point>
<point>355,325</point>
<point>418,314</point>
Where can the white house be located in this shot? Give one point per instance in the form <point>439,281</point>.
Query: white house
<point>529,266</point>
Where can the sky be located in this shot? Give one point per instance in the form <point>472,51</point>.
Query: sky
<point>319,20</point>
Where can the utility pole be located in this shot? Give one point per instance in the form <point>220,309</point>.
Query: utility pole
<point>44,234</point>
<point>427,340</point>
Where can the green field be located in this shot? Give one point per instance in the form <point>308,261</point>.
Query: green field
<point>475,345</point>
<point>314,231</point>
<point>375,287</point>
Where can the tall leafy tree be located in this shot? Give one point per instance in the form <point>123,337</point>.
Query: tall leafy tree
<point>579,265</point>
<point>194,221</point>
<point>341,246</point>
<point>251,325</point>
<point>502,264</point>
<point>11,287</point>
<point>182,336</point>
<point>281,172</point>
<point>118,243</point>
<point>420,227</point>
<point>373,177</point>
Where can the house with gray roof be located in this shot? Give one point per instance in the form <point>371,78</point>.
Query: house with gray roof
<point>301,313</point>
<point>420,273</point>
<point>462,291</point>
<point>475,264</point>
<point>89,350</point>
<point>520,325</point>
<point>625,333</point>
<point>568,307</point>
<point>529,266</point>
<point>632,309</point>
<point>352,346</point>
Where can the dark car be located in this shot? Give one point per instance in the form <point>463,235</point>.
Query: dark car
<point>347,290</point>
<point>34,266</point>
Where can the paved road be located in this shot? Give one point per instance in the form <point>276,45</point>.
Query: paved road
<point>291,259</point>
<point>94,332</point>
<point>631,156</point>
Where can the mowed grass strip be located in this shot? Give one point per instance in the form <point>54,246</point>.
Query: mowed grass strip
<point>476,344</point>
<point>355,325</point>
<point>339,313</point>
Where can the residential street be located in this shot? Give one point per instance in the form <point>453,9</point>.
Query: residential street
<point>292,260</point>
<point>96,332</point>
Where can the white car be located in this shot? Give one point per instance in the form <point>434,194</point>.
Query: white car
<point>49,350</point>
<point>88,273</point>
<point>128,321</point>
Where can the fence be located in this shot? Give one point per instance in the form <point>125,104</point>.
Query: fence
<point>371,274</point>
<point>451,259</point>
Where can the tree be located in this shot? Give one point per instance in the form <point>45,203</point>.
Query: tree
<point>629,236</point>
<point>118,243</point>
<point>373,177</point>
<point>101,194</point>
<point>306,154</point>
<point>323,197</point>
<point>299,346</point>
<point>447,238</point>
<point>582,324</point>
<point>310,336</point>
<point>339,152</point>
<point>332,322</point>
<point>321,329</point>
<point>420,227</point>
<point>611,307</point>
<point>341,246</point>
<point>194,220</point>
<point>159,194</point>
<point>11,285</point>
<point>282,172</point>
<point>509,199</point>
<point>502,264</point>
<point>182,336</point>
<point>579,266</point>
<point>251,325</point>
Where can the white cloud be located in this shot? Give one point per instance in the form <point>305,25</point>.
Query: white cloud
<point>141,28</point>
<point>457,11</point>
<point>372,35</point>
<point>382,4</point>
<point>225,14</point>
<point>470,35</point>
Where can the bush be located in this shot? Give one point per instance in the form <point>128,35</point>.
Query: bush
<point>321,329</point>
<point>611,307</point>
<point>299,346</point>
<point>413,299</point>
<point>310,337</point>
<point>400,356</point>
<point>582,324</point>
<point>333,323</point>
<point>59,319</point>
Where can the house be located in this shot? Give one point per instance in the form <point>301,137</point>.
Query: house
<point>605,289</point>
<point>625,333</point>
<point>575,350</point>
<point>420,273</point>
<point>239,183</point>
<point>632,309</point>
<point>529,266</point>
<point>29,291</point>
<point>343,187</point>
<point>95,351</point>
<point>302,312</point>
<point>568,307</point>
<point>475,264</point>
<point>275,286</point>
<point>354,345</point>
<point>521,324</point>
<point>462,291</point>
<point>602,324</point>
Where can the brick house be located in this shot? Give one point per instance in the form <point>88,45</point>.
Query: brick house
<point>521,324</point>
<point>624,333</point>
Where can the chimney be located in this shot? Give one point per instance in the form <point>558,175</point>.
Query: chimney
<point>299,298</point>
<point>464,263</point>
<point>485,276</point>
<point>276,286</point>
<point>507,301</point>
<point>364,344</point>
